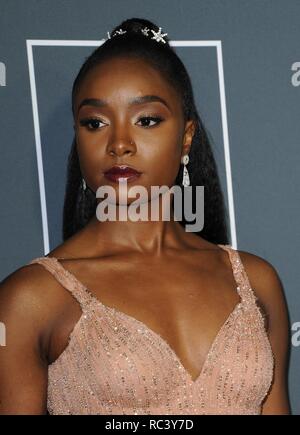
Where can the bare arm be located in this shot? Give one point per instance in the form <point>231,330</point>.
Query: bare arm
<point>23,366</point>
<point>268,288</point>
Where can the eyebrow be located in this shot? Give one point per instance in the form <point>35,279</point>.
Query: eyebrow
<point>96,102</point>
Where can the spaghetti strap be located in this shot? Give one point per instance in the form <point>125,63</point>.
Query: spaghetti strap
<point>66,279</point>
<point>240,274</point>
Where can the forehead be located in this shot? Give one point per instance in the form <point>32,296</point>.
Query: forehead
<point>122,78</point>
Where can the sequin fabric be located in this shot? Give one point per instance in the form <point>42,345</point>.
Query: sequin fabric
<point>114,364</point>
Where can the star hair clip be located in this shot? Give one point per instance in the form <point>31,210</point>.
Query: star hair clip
<point>157,36</point>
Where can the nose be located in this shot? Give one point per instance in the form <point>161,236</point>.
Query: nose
<point>120,147</point>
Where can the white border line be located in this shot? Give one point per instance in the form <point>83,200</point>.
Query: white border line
<point>65,43</point>
<point>38,147</point>
<point>226,146</point>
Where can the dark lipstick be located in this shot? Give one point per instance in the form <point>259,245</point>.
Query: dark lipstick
<point>121,172</point>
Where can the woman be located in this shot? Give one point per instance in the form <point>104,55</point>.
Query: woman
<point>142,317</point>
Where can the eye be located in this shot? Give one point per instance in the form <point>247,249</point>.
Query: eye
<point>156,119</point>
<point>94,122</point>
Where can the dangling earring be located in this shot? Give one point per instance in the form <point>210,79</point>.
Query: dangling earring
<point>186,179</point>
<point>83,184</point>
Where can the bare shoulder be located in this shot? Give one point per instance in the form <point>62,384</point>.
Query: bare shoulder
<point>33,288</point>
<point>30,301</point>
<point>268,288</point>
<point>264,279</point>
<point>28,284</point>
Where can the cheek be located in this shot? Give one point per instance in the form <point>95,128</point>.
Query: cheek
<point>90,161</point>
<point>163,162</point>
<point>88,149</point>
<point>87,143</point>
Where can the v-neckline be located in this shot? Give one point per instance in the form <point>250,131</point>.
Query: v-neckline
<point>155,334</point>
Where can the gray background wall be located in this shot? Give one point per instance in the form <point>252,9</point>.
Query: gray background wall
<point>261,58</point>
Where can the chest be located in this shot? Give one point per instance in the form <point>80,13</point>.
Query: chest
<point>184,303</point>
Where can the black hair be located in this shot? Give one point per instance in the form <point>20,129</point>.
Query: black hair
<point>128,40</point>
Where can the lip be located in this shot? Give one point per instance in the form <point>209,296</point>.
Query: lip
<point>117,172</point>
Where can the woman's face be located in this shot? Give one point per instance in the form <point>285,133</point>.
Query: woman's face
<point>149,136</point>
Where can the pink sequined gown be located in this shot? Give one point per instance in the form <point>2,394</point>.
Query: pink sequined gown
<point>114,364</point>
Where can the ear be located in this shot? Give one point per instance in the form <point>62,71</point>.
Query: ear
<point>189,131</point>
